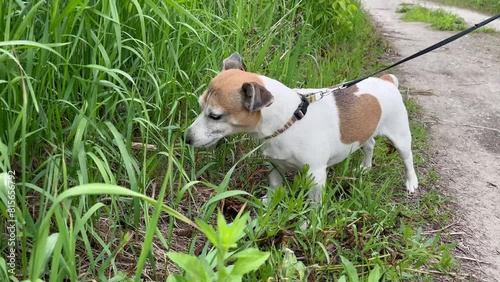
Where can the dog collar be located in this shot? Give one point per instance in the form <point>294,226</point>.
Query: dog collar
<point>299,113</point>
<point>301,110</point>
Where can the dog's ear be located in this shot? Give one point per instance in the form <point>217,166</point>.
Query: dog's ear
<point>233,62</point>
<point>255,96</point>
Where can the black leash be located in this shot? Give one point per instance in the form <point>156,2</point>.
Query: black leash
<point>426,50</point>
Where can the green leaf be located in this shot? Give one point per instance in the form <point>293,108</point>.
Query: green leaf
<point>49,248</point>
<point>249,260</point>
<point>182,10</point>
<point>176,278</point>
<point>225,195</point>
<point>209,231</point>
<point>27,19</point>
<point>191,265</point>
<point>113,73</point>
<point>342,6</point>
<point>33,44</point>
<point>234,231</point>
<point>351,271</point>
<point>375,274</point>
<point>221,224</point>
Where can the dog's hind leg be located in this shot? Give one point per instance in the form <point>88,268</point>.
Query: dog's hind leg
<point>411,176</point>
<point>368,152</point>
<point>401,139</point>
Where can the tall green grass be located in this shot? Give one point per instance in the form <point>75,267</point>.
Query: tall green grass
<point>87,88</point>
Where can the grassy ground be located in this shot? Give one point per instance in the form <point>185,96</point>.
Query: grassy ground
<point>439,19</point>
<point>95,98</point>
<point>485,6</point>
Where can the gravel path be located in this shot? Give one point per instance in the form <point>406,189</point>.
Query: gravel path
<point>464,113</point>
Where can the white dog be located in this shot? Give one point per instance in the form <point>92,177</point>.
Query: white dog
<point>334,126</point>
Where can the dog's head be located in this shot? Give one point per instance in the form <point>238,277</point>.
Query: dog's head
<point>231,104</point>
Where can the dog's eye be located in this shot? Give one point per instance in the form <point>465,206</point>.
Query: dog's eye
<point>214,116</point>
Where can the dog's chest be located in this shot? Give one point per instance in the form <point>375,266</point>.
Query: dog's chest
<point>282,157</point>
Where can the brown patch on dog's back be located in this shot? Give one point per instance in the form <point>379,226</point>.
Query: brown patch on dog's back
<point>387,77</point>
<point>358,115</point>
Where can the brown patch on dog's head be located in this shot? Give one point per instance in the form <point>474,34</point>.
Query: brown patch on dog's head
<point>359,115</point>
<point>231,104</point>
<point>239,95</point>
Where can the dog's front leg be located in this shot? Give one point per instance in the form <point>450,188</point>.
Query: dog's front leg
<point>275,180</point>
<point>319,175</point>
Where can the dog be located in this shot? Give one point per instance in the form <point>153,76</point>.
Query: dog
<point>295,133</point>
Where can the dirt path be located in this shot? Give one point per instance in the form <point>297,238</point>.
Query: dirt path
<point>464,113</point>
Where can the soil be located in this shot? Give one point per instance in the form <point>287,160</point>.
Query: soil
<point>464,116</point>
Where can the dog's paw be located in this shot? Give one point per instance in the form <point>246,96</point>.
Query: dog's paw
<point>264,200</point>
<point>305,225</point>
<point>412,184</point>
<point>363,168</point>
<point>315,195</point>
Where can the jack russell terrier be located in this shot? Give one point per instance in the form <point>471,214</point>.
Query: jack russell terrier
<point>335,126</point>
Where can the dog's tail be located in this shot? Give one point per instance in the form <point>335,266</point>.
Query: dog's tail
<point>391,78</point>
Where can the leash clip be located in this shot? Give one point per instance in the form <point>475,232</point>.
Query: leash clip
<point>324,93</point>
<point>331,91</point>
<point>338,88</point>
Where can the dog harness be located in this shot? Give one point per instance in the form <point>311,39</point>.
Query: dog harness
<point>301,110</point>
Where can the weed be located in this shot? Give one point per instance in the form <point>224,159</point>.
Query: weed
<point>439,19</point>
<point>486,6</point>
<point>224,239</point>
